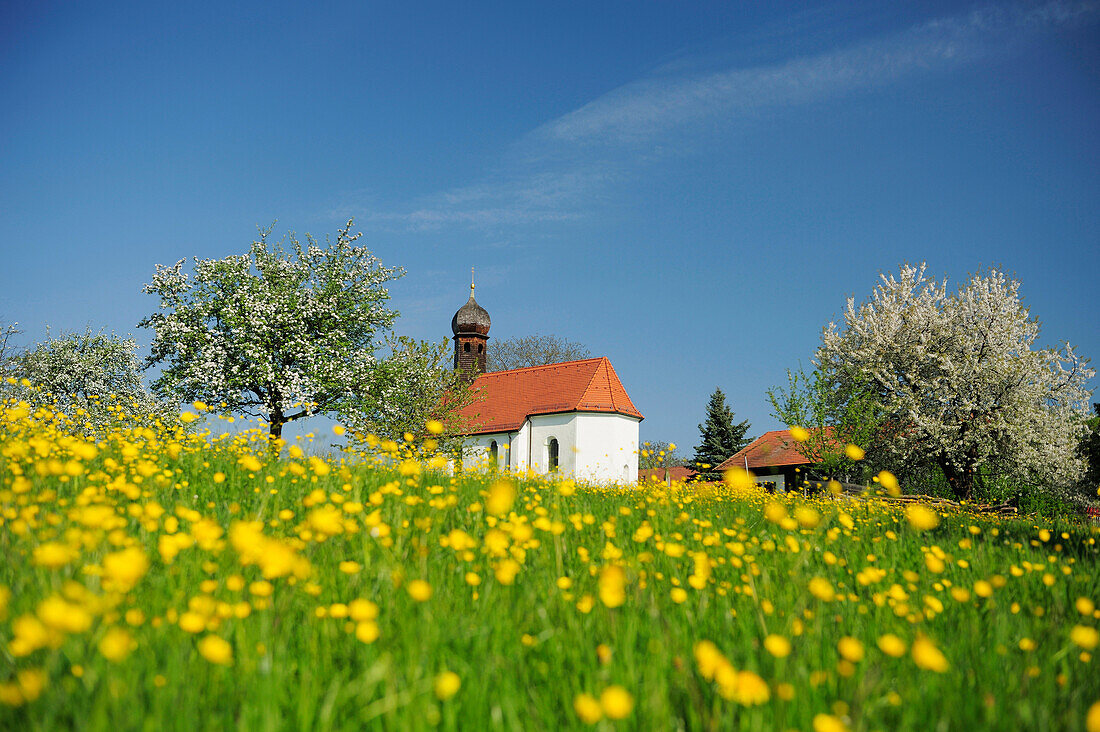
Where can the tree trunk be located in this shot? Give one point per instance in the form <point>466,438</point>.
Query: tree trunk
<point>275,424</point>
<point>961,481</point>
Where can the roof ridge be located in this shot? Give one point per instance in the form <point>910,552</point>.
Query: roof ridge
<point>610,388</point>
<point>568,386</point>
<point>543,366</point>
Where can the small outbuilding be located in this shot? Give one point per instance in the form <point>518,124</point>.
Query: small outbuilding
<point>774,459</point>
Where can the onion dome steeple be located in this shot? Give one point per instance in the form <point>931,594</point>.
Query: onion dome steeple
<point>470,326</point>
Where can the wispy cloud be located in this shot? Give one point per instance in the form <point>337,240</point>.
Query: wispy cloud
<point>557,172</point>
<point>508,198</point>
<point>643,109</point>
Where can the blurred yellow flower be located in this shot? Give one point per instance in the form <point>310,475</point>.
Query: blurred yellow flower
<point>777,645</point>
<point>739,479</point>
<point>216,650</point>
<point>1085,637</point>
<point>1092,718</point>
<point>807,517</point>
<point>587,708</point>
<point>891,645</point>
<point>828,723</point>
<point>612,585</point>
<point>850,648</point>
<point>446,685</point>
<point>921,517</point>
<point>360,609</point>
<point>366,631</point>
<point>123,569</point>
<point>616,702</point>
<point>117,644</point>
<point>822,589</point>
<point>53,555</point>
<point>928,657</point>
<point>420,590</point>
<point>502,494</point>
<point>887,480</point>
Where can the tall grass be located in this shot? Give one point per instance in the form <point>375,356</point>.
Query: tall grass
<point>578,589</point>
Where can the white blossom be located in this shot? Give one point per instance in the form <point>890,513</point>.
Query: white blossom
<point>93,378</point>
<point>960,378</point>
<point>272,334</point>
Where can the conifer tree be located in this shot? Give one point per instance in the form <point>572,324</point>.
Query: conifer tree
<point>720,437</point>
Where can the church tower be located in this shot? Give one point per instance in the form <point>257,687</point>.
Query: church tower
<point>470,326</point>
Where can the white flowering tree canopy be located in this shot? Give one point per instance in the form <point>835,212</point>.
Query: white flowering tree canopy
<point>960,380</point>
<point>92,378</point>
<point>275,334</point>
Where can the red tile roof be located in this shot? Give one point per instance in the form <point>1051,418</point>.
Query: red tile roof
<point>769,450</point>
<point>503,400</point>
<point>676,472</point>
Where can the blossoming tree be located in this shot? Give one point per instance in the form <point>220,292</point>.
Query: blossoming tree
<point>959,379</point>
<point>275,334</point>
<point>93,378</point>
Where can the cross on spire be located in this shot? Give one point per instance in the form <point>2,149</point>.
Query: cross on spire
<point>471,281</point>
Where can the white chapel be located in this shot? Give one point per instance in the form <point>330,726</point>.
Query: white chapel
<point>573,418</point>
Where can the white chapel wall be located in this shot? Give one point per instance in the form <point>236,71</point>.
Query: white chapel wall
<point>608,448</point>
<point>600,448</point>
<point>562,427</point>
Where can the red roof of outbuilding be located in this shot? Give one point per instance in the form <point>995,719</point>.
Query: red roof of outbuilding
<point>769,450</point>
<point>675,472</point>
<point>503,400</point>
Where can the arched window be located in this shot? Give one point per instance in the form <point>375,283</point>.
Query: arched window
<point>466,347</point>
<point>552,455</point>
<point>493,455</point>
<point>480,347</point>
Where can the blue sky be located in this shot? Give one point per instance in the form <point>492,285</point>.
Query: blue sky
<point>691,189</point>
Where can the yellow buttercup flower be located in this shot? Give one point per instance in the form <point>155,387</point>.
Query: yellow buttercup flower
<point>891,645</point>
<point>1092,718</point>
<point>921,517</point>
<point>807,517</point>
<point>616,702</point>
<point>708,659</point>
<point>502,494</point>
<point>612,585</point>
<point>1085,637</point>
<point>446,685</point>
<point>777,645</point>
<point>739,478</point>
<point>588,709</point>
<point>828,723</point>
<point>887,480</point>
<point>367,631</point>
<point>420,590</point>
<point>123,569</point>
<point>822,589</point>
<point>117,644</point>
<point>53,555</point>
<point>216,650</point>
<point>850,648</point>
<point>928,657</point>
